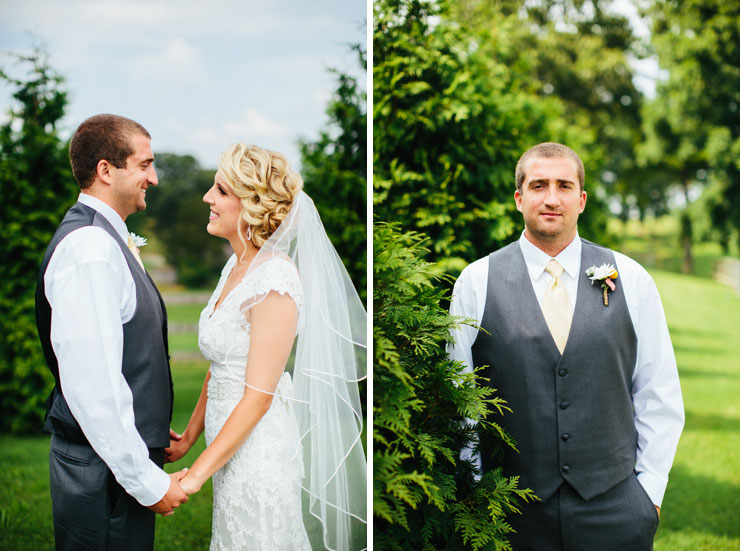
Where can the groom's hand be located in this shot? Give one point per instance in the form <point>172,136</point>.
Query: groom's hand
<point>174,497</point>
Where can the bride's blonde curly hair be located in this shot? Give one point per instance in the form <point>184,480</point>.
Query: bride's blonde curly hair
<point>265,184</point>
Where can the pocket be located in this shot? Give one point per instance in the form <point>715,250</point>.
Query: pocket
<point>653,511</point>
<point>116,496</point>
<point>71,458</point>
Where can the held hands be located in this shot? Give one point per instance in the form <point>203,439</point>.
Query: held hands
<point>190,483</point>
<point>174,497</point>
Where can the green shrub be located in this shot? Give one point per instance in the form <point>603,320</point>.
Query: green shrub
<point>424,496</point>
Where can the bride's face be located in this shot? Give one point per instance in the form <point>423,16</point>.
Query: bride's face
<point>225,209</point>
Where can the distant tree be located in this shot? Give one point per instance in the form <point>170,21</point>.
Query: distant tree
<point>177,216</point>
<point>675,143</point>
<point>676,132</point>
<point>698,44</point>
<point>37,188</point>
<point>424,495</point>
<point>334,171</point>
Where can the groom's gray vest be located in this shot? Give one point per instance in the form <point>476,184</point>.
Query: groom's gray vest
<point>146,365</point>
<point>572,415</point>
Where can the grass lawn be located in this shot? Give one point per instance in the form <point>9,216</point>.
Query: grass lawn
<point>185,312</point>
<point>701,510</point>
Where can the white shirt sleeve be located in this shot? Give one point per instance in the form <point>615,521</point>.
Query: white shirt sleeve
<point>92,294</point>
<point>656,392</point>
<point>468,301</point>
<point>463,305</point>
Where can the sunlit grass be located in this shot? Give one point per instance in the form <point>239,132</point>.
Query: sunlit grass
<point>700,511</point>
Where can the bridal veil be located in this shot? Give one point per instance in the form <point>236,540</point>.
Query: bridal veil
<point>327,362</point>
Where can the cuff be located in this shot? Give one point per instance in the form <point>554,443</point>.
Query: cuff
<point>154,485</point>
<point>654,486</point>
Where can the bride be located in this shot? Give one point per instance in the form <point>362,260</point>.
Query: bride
<point>285,334</point>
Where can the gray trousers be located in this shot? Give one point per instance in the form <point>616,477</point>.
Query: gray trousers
<point>91,510</point>
<point>621,519</point>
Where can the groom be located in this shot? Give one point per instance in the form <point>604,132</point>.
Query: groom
<point>594,390</point>
<point>103,329</point>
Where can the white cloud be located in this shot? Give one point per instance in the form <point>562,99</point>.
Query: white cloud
<point>256,124</point>
<point>174,64</point>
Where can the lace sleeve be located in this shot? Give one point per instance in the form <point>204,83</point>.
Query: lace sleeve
<point>276,274</point>
<point>271,307</point>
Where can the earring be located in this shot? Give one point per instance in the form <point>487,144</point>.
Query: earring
<point>249,233</point>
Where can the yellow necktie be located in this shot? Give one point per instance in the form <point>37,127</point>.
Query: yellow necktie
<point>556,306</point>
<point>134,249</point>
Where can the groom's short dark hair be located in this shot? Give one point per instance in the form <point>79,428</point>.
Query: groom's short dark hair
<point>548,150</point>
<point>102,137</point>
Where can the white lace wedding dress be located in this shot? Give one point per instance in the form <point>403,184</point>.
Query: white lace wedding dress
<point>257,494</point>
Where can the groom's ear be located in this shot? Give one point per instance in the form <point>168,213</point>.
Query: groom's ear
<point>103,171</point>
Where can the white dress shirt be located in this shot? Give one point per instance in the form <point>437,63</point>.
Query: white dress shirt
<point>656,393</point>
<point>92,294</point>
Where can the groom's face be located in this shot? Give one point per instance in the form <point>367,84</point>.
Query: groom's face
<point>130,183</point>
<point>551,199</point>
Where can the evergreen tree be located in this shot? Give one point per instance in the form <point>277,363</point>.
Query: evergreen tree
<point>334,171</point>
<point>424,495</point>
<point>37,188</point>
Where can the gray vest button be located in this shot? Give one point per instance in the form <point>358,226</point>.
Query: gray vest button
<point>565,438</point>
<point>565,468</point>
<point>564,405</point>
<point>563,372</point>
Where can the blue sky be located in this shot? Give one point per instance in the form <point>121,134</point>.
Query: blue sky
<point>197,74</point>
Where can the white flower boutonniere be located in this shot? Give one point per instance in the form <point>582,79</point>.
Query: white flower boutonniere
<point>137,240</point>
<point>605,274</point>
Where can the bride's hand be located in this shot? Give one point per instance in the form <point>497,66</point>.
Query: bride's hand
<point>189,484</point>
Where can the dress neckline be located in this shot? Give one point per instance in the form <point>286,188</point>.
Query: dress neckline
<point>222,283</point>
<point>216,305</point>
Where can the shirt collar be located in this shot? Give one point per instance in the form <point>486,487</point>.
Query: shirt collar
<point>536,259</point>
<point>108,213</point>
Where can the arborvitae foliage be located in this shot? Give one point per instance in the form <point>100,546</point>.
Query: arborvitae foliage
<point>37,188</point>
<point>425,496</point>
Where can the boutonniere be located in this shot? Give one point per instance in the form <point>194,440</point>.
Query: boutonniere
<point>137,240</point>
<point>605,274</point>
